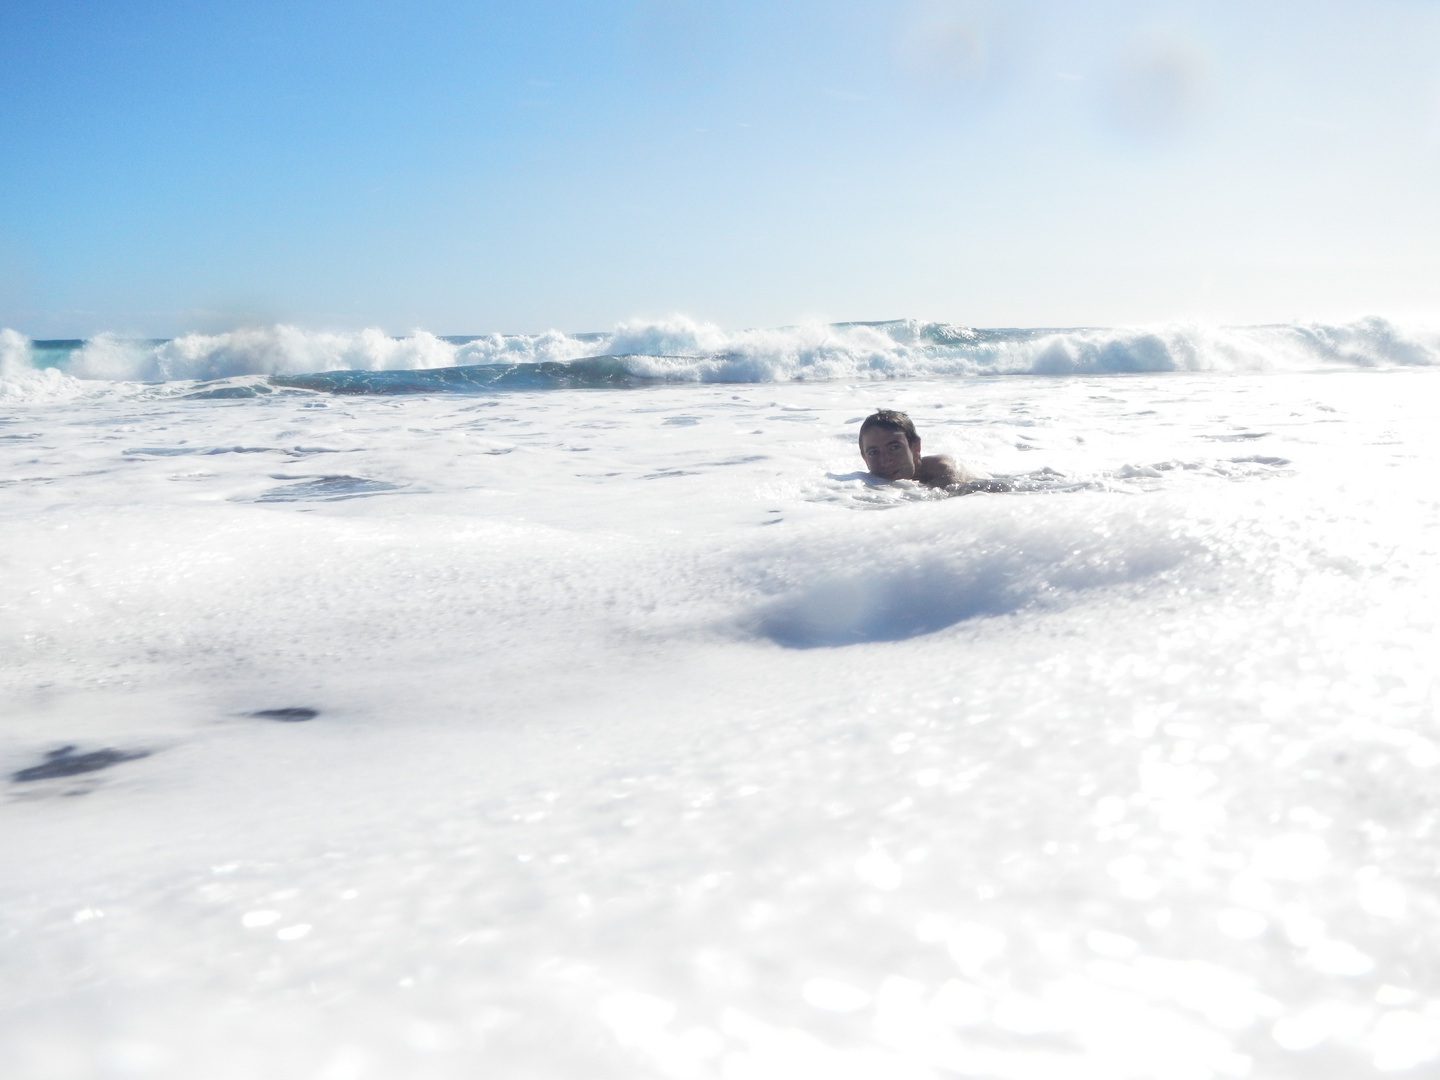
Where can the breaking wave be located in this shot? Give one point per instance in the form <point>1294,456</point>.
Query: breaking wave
<point>680,349</point>
<point>22,380</point>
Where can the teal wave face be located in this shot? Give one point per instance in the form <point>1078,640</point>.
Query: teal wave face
<point>591,373</point>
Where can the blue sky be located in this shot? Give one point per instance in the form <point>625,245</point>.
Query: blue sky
<point>470,167</point>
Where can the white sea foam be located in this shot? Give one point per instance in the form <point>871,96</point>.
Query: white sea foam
<point>684,349</point>
<point>653,742</point>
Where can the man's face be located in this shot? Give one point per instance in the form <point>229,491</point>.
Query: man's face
<point>889,455</point>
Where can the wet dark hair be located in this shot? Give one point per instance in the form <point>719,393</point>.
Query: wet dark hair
<point>890,420</point>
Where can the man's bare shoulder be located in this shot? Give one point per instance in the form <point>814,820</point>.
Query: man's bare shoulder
<point>940,470</point>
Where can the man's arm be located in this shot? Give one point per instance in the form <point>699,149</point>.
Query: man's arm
<point>938,470</point>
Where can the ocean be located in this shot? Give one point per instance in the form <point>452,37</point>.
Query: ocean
<point>574,706</point>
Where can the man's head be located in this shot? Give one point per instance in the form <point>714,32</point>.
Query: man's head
<point>889,445</point>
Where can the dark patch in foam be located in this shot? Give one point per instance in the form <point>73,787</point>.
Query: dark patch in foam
<point>291,715</point>
<point>889,606</point>
<point>1260,459</point>
<point>906,597</point>
<point>229,392</point>
<point>66,762</point>
<point>971,487</point>
<point>738,460</point>
<point>177,451</point>
<point>326,489</point>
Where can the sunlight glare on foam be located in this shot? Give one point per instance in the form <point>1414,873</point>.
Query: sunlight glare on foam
<point>500,639</point>
<point>1405,1039</point>
<point>831,995</point>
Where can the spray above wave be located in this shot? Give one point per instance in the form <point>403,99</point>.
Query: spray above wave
<point>680,349</point>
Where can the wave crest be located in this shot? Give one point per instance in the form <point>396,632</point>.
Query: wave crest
<point>682,349</point>
<point>22,381</point>
<point>272,350</point>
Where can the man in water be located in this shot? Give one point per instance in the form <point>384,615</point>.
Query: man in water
<point>891,450</point>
